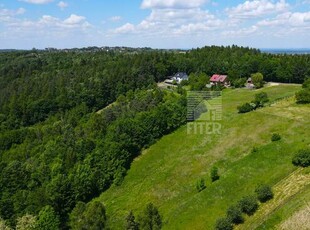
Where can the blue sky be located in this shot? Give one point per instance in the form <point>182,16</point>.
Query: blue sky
<point>25,24</point>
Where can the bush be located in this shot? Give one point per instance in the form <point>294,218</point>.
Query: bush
<point>254,149</point>
<point>131,223</point>
<point>260,99</point>
<point>303,96</point>
<point>239,83</point>
<point>248,205</point>
<point>150,218</point>
<point>306,83</point>
<point>234,214</point>
<point>214,174</point>
<point>275,137</point>
<point>247,107</point>
<point>223,224</point>
<point>264,193</point>
<point>88,216</point>
<point>200,185</point>
<point>302,158</point>
<point>258,80</point>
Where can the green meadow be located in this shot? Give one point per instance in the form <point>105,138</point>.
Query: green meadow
<point>166,173</point>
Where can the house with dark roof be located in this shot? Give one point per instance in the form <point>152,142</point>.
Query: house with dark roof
<point>177,78</point>
<point>180,76</point>
<point>218,79</point>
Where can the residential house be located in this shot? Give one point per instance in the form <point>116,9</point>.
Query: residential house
<point>218,79</point>
<point>177,78</point>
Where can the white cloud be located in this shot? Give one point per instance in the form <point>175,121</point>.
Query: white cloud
<point>257,8</point>
<point>199,28</point>
<point>300,19</point>
<point>6,15</point>
<point>178,15</point>
<point>37,1</point>
<point>62,5</point>
<point>160,4</point>
<point>171,22</point>
<point>115,18</point>
<point>127,28</point>
<point>241,32</point>
<point>47,31</point>
<point>188,21</point>
<point>296,19</point>
<point>6,12</point>
<point>74,19</point>
<point>48,24</point>
<point>48,20</point>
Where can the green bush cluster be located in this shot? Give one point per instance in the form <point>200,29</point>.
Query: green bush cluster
<point>150,218</point>
<point>223,224</point>
<point>214,174</point>
<point>264,193</point>
<point>239,82</point>
<point>200,185</point>
<point>275,137</point>
<point>254,149</point>
<point>234,214</point>
<point>303,96</point>
<point>247,205</point>
<point>258,80</point>
<point>302,158</point>
<point>247,107</point>
<point>259,101</point>
<point>88,216</point>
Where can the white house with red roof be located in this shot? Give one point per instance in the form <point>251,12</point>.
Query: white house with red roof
<point>218,79</point>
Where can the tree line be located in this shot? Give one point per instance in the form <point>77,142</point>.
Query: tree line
<point>36,84</point>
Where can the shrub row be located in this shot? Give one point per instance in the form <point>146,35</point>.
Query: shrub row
<point>247,205</point>
<point>259,101</point>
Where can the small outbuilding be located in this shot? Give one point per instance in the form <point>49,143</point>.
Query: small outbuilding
<point>249,83</point>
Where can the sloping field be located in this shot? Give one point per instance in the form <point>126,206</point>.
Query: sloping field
<point>285,190</point>
<point>166,173</point>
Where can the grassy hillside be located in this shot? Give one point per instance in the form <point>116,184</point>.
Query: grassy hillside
<point>166,173</point>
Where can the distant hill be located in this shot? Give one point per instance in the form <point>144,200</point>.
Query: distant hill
<point>287,51</point>
<point>7,50</point>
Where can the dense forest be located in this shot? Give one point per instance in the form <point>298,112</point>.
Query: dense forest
<point>71,122</point>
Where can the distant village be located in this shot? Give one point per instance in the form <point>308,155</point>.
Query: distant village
<point>115,49</point>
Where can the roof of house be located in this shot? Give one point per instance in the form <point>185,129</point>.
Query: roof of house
<point>218,78</point>
<point>181,75</point>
